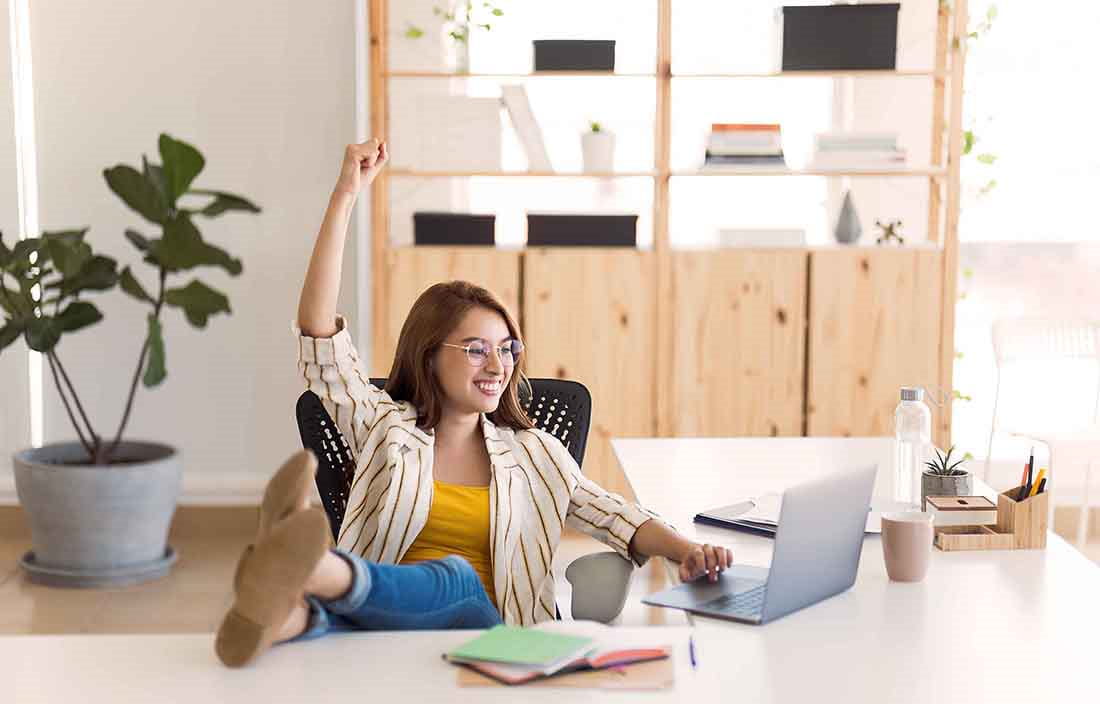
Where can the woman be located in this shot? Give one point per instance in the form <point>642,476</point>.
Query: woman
<point>457,503</point>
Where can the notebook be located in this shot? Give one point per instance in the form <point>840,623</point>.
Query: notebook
<point>513,655</point>
<point>760,514</point>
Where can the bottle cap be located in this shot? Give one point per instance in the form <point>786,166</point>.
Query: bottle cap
<point>912,394</point>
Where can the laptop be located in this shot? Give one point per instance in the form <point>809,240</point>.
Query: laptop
<point>816,556</point>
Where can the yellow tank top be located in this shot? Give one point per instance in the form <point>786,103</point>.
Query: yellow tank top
<point>458,524</point>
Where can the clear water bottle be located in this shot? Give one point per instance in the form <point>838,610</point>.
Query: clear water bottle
<point>912,439</point>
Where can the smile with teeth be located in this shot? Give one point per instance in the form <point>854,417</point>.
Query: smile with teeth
<point>490,388</point>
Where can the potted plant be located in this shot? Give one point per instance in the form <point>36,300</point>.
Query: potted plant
<point>99,507</point>
<point>597,149</point>
<point>460,17</point>
<point>944,478</point>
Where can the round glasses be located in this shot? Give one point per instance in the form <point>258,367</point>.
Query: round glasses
<point>477,352</point>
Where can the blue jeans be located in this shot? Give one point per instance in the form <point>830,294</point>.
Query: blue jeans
<point>437,594</point>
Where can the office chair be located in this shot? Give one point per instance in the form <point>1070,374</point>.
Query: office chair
<point>560,407</point>
<point>1057,343</point>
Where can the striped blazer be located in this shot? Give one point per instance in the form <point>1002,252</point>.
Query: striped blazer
<point>536,488</point>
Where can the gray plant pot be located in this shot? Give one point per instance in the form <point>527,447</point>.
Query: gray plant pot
<point>94,526</point>
<point>939,485</point>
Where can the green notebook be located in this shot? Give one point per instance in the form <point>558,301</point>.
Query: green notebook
<point>521,646</point>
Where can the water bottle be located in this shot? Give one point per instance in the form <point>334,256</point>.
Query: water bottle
<point>912,438</point>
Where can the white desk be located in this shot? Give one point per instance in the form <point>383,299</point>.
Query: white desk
<point>990,626</point>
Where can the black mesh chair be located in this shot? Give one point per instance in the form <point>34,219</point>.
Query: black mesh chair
<point>560,407</point>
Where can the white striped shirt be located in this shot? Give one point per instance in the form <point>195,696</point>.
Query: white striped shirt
<point>536,487</point>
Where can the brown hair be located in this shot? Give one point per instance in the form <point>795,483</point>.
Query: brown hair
<point>432,318</point>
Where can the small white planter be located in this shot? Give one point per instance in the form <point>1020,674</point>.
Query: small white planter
<point>598,151</point>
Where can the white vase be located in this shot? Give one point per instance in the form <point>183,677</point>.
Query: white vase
<point>598,151</point>
<point>459,53</point>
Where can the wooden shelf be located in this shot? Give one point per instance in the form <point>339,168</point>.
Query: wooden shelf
<point>930,171</point>
<point>817,74</point>
<point>530,74</point>
<point>412,173</point>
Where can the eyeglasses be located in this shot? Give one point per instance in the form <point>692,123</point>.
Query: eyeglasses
<point>477,353</point>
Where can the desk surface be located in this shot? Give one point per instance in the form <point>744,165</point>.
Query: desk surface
<point>1018,625</point>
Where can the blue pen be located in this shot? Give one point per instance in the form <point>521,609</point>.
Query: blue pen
<point>691,652</point>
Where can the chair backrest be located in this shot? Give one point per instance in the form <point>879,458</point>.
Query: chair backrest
<point>560,407</point>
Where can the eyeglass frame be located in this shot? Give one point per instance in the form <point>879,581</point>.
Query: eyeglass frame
<point>466,348</point>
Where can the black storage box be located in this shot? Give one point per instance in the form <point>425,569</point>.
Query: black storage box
<point>840,37</point>
<point>574,55</point>
<point>546,230</point>
<point>453,229</point>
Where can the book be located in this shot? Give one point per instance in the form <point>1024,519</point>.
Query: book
<point>743,127</point>
<point>744,159</point>
<point>514,655</point>
<point>523,119</point>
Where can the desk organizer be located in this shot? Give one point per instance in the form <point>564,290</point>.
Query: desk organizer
<point>1021,525</point>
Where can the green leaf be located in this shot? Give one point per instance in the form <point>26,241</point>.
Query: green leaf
<point>183,248</point>
<point>988,187</point>
<point>968,141</point>
<point>497,12</point>
<point>154,174</point>
<point>154,367</point>
<point>224,202</point>
<point>131,286</point>
<point>198,301</point>
<point>182,163</point>
<point>68,256</point>
<point>10,333</point>
<point>987,158</point>
<point>414,32</point>
<point>138,240</point>
<point>42,334</point>
<point>136,191</point>
<point>77,315</point>
<point>98,274</point>
<point>5,253</point>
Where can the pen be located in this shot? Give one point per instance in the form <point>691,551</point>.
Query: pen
<point>1023,483</point>
<point>1038,480</point>
<point>1026,488</point>
<point>1042,486</point>
<point>691,652</point>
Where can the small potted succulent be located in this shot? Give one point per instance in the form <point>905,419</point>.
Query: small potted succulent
<point>597,149</point>
<point>99,507</point>
<point>942,477</point>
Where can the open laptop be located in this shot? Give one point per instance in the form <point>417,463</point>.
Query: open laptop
<point>816,555</point>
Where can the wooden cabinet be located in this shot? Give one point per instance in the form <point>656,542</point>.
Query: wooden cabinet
<point>738,343</point>
<point>588,315</point>
<point>874,327</point>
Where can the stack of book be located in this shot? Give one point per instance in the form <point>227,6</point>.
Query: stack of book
<point>855,150</point>
<point>514,655</point>
<point>744,145</point>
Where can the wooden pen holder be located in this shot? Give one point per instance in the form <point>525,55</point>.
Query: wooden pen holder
<point>1021,525</point>
<point>1026,520</point>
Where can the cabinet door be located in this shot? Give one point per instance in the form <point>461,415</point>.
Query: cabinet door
<point>738,344</point>
<point>411,270</point>
<point>589,316</point>
<point>874,327</point>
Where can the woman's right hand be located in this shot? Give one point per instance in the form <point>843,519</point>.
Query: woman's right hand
<point>362,162</point>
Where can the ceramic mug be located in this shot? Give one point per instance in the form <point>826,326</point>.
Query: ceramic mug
<point>907,544</point>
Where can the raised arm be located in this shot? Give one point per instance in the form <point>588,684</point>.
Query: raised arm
<point>317,304</point>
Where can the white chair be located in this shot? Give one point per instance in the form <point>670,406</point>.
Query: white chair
<point>1053,342</point>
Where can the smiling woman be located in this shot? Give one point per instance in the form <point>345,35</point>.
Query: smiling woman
<point>457,504</point>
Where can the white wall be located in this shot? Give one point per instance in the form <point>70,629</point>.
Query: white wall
<point>14,414</point>
<point>266,90</point>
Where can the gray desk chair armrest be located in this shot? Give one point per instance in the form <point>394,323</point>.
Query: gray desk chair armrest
<point>600,582</point>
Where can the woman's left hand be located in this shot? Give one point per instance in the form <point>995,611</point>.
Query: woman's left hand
<point>704,559</point>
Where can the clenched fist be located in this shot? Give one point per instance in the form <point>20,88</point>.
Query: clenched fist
<point>362,162</point>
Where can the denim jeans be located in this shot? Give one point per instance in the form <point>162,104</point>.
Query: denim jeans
<point>437,594</point>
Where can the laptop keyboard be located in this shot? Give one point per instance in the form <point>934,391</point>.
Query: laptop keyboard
<point>748,603</point>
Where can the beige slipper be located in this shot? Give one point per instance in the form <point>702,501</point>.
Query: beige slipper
<point>271,579</point>
<point>285,493</point>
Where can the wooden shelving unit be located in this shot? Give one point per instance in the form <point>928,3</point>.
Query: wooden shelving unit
<point>831,380</point>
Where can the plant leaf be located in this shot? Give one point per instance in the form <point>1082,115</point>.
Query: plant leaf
<point>98,274</point>
<point>414,32</point>
<point>183,248</point>
<point>154,366</point>
<point>69,253</point>
<point>224,202</point>
<point>136,191</point>
<point>154,174</point>
<point>5,253</point>
<point>987,158</point>
<point>968,141</point>
<point>182,163</point>
<point>138,240</point>
<point>131,286</point>
<point>10,333</point>
<point>77,315</point>
<point>198,301</point>
<point>42,334</point>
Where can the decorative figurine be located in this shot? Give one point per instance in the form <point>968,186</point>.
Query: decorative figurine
<point>889,233</point>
